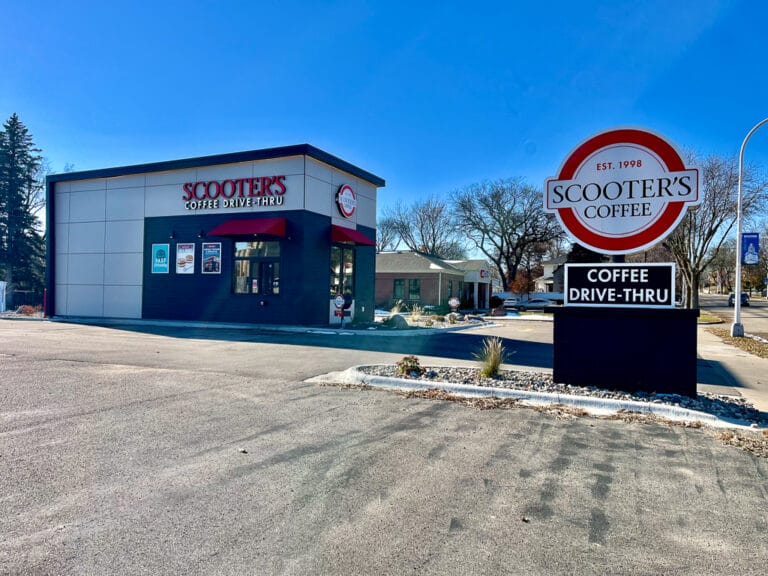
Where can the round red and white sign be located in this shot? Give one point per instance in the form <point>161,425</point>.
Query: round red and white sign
<point>346,201</point>
<point>622,191</point>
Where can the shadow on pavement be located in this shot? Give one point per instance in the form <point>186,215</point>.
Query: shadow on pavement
<point>456,345</point>
<point>712,376</point>
<point>714,373</point>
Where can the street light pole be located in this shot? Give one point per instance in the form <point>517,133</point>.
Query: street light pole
<point>737,328</point>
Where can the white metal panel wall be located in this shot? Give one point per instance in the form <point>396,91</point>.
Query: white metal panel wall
<point>164,191</point>
<point>84,252</point>
<point>99,247</point>
<point>322,183</point>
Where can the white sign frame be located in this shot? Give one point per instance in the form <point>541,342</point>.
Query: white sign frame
<point>622,191</point>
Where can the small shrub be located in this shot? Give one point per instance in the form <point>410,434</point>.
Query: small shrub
<point>437,318</point>
<point>429,322</point>
<point>496,302</point>
<point>451,318</point>
<point>416,312</point>
<point>491,356</point>
<point>409,366</point>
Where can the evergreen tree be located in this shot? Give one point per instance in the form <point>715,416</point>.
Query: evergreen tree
<point>22,247</point>
<point>581,255</point>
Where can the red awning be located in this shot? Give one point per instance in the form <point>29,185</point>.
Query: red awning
<point>341,234</point>
<point>272,226</point>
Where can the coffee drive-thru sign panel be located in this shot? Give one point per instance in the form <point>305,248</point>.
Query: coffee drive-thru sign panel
<point>642,285</point>
<point>622,191</point>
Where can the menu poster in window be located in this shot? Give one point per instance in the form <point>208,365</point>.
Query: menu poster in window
<point>185,258</point>
<point>211,257</point>
<point>160,258</point>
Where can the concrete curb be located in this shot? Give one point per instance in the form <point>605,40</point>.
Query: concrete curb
<point>594,406</point>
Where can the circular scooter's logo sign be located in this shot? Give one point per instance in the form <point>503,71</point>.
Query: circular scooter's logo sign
<point>346,201</point>
<point>622,191</point>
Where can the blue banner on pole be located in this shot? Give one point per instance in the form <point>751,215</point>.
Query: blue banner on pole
<point>750,248</point>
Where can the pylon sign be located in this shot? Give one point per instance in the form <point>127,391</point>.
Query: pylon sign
<point>622,191</point>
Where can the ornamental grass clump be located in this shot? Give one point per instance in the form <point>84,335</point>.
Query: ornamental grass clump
<point>491,356</point>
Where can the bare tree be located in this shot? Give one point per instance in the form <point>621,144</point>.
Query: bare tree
<point>427,226</point>
<point>703,230</point>
<point>506,221</point>
<point>722,264</point>
<point>386,234</point>
<point>34,196</point>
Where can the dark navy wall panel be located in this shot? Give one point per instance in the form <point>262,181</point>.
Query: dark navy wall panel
<point>304,274</point>
<point>365,278</point>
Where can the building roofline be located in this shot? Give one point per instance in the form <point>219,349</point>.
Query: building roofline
<point>562,259</point>
<point>445,266</point>
<point>229,158</point>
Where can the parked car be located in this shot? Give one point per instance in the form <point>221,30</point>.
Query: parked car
<point>509,300</point>
<point>512,302</point>
<point>744,299</point>
<point>535,304</point>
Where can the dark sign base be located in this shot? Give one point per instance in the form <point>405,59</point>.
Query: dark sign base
<point>628,349</point>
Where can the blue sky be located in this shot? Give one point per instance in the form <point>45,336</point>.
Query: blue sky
<point>431,96</point>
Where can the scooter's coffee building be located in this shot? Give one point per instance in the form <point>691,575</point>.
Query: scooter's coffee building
<point>266,236</point>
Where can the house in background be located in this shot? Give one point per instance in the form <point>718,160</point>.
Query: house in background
<point>417,278</point>
<point>477,282</point>
<point>553,278</point>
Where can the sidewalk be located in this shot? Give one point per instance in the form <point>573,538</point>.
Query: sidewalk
<point>725,369</point>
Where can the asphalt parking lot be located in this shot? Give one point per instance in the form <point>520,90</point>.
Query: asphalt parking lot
<point>128,452</point>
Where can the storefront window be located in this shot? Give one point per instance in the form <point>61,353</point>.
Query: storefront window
<point>414,289</point>
<point>398,290</point>
<point>342,270</point>
<point>256,268</point>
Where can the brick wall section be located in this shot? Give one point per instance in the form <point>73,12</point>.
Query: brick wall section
<point>430,290</point>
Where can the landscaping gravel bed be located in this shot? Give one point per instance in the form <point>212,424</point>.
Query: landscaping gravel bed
<point>726,407</point>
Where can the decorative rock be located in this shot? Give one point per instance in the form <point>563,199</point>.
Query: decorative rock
<point>398,322</point>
